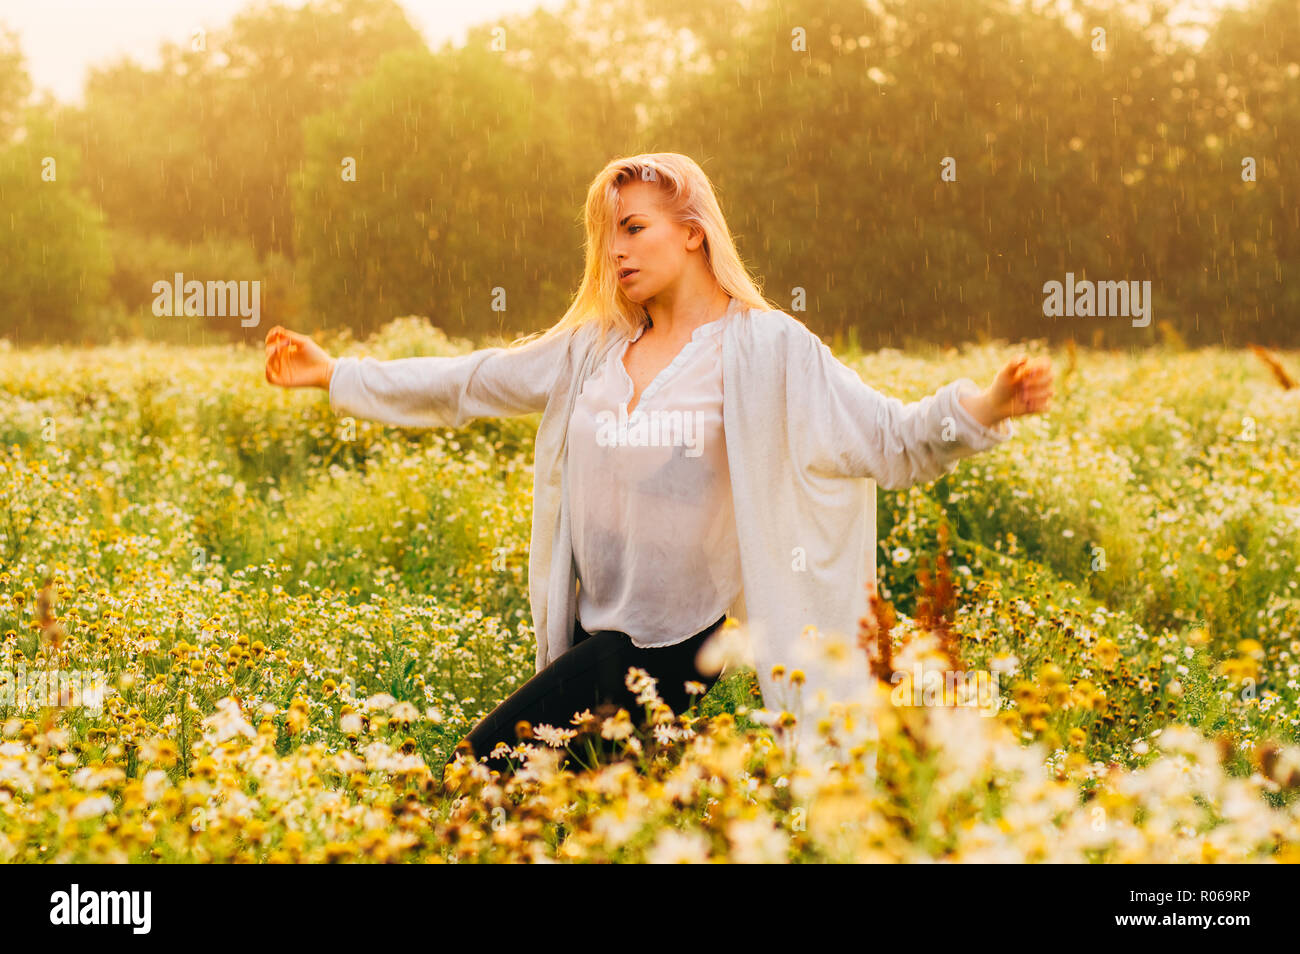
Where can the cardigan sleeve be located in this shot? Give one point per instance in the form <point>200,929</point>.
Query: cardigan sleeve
<point>849,429</point>
<point>449,391</point>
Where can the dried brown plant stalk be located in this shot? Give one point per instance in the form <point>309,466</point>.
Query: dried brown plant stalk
<point>934,614</point>
<point>874,634</point>
<point>1275,366</point>
<point>937,601</point>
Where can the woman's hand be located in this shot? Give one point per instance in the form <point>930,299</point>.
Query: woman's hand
<point>1021,387</point>
<point>295,361</point>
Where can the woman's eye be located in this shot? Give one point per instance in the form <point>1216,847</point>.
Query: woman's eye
<point>631,227</point>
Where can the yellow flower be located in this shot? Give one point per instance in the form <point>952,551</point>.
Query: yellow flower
<point>1106,652</point>
<point>1050,673</point>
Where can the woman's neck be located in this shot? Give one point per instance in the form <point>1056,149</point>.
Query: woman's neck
<point>680,316</point>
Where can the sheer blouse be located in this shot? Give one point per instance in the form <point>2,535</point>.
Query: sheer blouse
<point>654,528</point>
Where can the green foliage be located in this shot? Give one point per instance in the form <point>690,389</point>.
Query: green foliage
<point>396,239</point>
<point>54,252</point>
<point>826,127</point>
<point>363,594</point>
<point>142,259</point>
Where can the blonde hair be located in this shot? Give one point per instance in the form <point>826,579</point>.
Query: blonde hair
<point>689,199</point>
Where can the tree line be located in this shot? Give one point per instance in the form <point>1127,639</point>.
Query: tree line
<point>893,170</point>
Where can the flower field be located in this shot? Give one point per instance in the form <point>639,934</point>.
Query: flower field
<point>296,617</point>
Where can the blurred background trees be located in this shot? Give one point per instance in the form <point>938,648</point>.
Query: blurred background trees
<point>359,175</point>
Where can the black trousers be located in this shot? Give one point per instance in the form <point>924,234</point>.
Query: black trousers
<point>591,673</point>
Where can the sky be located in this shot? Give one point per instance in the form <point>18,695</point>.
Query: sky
<point>61,38</point>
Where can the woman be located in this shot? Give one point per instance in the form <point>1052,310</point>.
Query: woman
<point>700,454</point>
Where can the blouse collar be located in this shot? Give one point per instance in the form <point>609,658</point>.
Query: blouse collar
<point>709,328</point>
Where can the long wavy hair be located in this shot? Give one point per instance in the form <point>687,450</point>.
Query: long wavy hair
<point>688,197</point>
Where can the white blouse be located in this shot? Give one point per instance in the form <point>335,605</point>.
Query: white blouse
<point>654,528</point>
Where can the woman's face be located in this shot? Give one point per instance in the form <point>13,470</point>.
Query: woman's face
<point>648,240</point>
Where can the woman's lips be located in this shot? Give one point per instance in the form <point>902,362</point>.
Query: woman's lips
<point>630,275</point>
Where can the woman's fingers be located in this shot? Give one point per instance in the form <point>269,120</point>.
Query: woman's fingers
<point>1032,380</point>
<point>280,361</point>
<point>1038,366</point>
<point>280,335</point>
<point>1033,385</point>
<point>1035,381</point>
<point>275,370</point>
<point>1036,400</point>
<point>1034,392</point>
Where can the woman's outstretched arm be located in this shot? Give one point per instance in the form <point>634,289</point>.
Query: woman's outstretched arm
<point>852,430</point>
<point>435,391</point>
